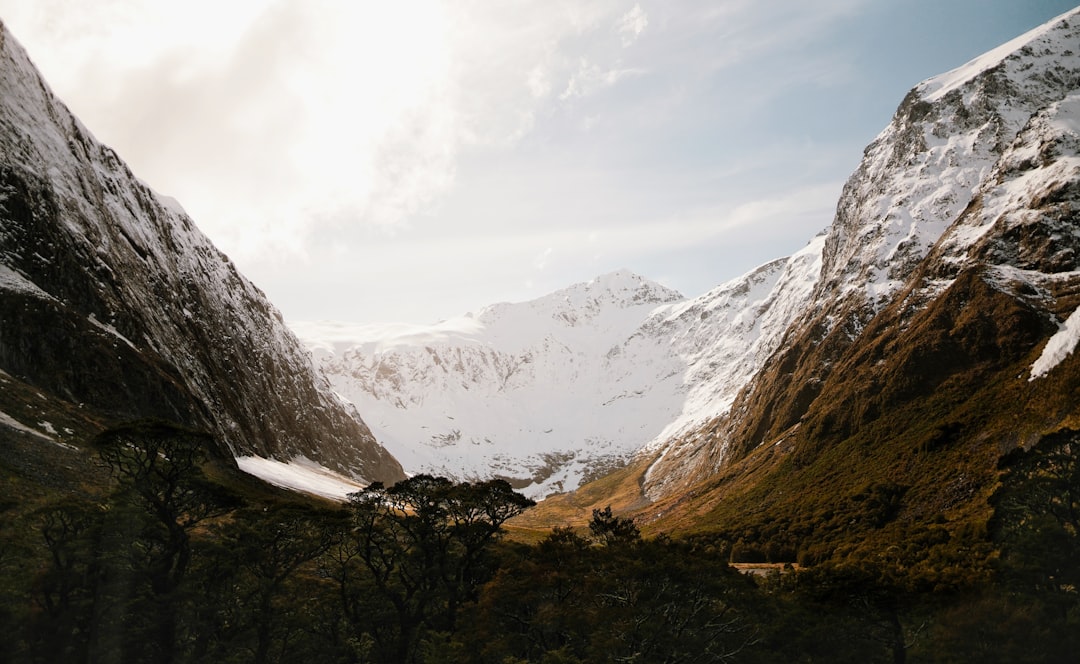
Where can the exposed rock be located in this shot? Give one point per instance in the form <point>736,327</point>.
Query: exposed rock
<point>951,260</point>
<point>112,299</point>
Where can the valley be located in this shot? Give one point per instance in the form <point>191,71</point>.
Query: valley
<point>881,427</point>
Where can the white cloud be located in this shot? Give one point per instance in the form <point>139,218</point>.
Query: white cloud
<point>435,146</point>
<point>541,260</point>
<point>590,78</point>
<point>632,24</point>
<point>269,121</point>
<point>798,209</point>
<point>273,121</point>
<point>539,83</point>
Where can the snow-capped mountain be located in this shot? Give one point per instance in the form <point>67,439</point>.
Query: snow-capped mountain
<point>973,179</point>
<point>555,391</point>
<point>113,304</point>
<point>953,255</point>
<point>536,392</point>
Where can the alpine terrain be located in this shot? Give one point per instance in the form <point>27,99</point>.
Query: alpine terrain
<point>944,289</point>
<point>934,341</point>
<point>948,280</point>
<point>114,307</point>
<point>864,452</point>
<point>558,390</point>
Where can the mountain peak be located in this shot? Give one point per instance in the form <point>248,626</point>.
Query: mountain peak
<point>599,300</point>
<point>926,167</point>
<point>620,277</point>
<point>1034,43</point>
<point>953,251</point>
<point>621,289</point>
<point>639,289</point>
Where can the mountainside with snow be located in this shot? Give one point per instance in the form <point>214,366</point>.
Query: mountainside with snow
<point>536,392</point>
<point>114,306</point>
<point>951,259</point>
<point>553,392</point>
<point>967,197</point>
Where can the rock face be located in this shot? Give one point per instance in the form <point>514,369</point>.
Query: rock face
<point>952,262</point>
<point>111,298</point>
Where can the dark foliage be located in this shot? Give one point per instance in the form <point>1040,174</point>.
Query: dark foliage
<point>169,566</point>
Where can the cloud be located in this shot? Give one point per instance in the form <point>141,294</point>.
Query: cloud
<point>632,24</point>
<point>539,83</point>
<point>800,211</point>
<point>321,116</point>
<point>590,78</point>
<point>541,260</point>
<point>439,144</point>
<point>283,119</point>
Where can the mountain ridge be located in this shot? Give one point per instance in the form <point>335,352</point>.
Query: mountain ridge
<point>114,300</point>
<point>746,365</point>
<point>475,379</point>
<point>578,380</point>
<point>904,225</point>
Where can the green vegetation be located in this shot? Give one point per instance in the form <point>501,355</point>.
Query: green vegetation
<point>168,556</point>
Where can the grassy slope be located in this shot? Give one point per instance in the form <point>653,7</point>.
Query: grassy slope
<point>899,449</point>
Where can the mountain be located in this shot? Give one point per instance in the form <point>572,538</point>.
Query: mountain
<point>929,331</point>
<point>536,392</point>
<point>558,390</point>
<point>114,307</point>
<point>937,342</point>
<point>951,263</point>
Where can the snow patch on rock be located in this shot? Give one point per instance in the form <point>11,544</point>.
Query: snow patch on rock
<point>1059,347</point>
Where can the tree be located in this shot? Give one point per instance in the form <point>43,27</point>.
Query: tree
<point>873,601</point>
<point>608,529</point>
<point>67,586</point>
<point>269,548</point>
<point>1036,525</point>
<point>421,543</point>
<point>162,495</point>
<point>566,600</point>
<point>536,606</point>
<point>1036,518</point>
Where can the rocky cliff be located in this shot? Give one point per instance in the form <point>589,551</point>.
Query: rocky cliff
<point>945,310</point>
<point>111,300</point>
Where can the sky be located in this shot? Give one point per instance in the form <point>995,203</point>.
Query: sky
<point>414,160</point>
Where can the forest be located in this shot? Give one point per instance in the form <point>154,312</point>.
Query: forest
<point>170,561</point>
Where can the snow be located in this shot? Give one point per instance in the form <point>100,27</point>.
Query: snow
<point>181,296</point>
<point>939,86</point>
<point>929,164</point>
<point>110,330</point>
<point>300,474</point>
<point>558,388</point>
<point>171,204</point>
<point>13,423</point>
<point>336,337</point>
<point>535,390</point>
<point>553,390</point>
<point>1059,347</point>
<point>11,280</point>
<point>1008,204</point>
